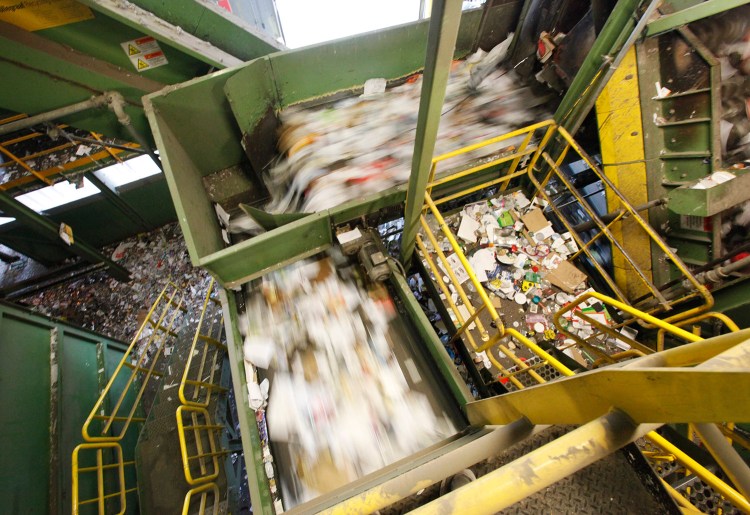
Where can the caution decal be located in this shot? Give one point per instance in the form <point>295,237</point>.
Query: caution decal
<point>145,53</point>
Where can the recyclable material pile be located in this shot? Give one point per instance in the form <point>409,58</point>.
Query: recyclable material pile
<point>361,145</point>
<point>116,309</point>
<point>523,264</point>
<point>318,354</point>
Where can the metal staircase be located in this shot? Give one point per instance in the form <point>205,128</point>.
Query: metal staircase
<point>103,472</point>
<point>179,457</point>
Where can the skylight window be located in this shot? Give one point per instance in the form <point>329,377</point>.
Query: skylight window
<point>57,195</point>
<point>63,192</point>
<point>129,171</point>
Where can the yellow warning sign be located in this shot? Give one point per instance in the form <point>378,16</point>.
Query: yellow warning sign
<point>144,53</point>
<point>43,14</point>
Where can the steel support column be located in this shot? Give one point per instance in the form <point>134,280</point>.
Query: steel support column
<point>618,33</point>
<point>441,42</point>
<point>48,228</point>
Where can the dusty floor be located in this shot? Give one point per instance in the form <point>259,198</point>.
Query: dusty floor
<point>102,304</point>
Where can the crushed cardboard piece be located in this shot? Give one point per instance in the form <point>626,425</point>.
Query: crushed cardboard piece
<point>566,277</point>
<point>535,220</point>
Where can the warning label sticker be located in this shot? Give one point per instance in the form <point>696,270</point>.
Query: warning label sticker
<point>145,53</point>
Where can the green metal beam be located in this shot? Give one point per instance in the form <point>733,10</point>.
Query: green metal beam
<point>146,22</point>
<point>214,25</point>
<point>118,202</point>
<point>441,41</point>
<point>702,10</point>
<point>445,364</point>
<point>50,230</point>
<point>260,493</point>
<point>591,76</point>
<point>41,75</point>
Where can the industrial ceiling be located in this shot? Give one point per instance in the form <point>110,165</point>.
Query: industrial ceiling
<point>74,73</point>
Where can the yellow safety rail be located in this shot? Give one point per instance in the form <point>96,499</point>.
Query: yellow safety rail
<point>484,339</point>
<point>528,148</point>
<point>636,314</point>
<point>167,309</point>
<point>204,491</point>
<point>721,317</point>
<point>109,469</point>
<point>561,146</point>
<point>158,329</point>
<point>198,381</point>
<point>195,430</point>
<point>198,445</point>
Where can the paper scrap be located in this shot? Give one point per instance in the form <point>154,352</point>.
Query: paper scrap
<point>543,234</point>
<point>520,200</point>
<point>465,315</point>
<point>457,267</point>
<point>374,87</point>
<point>467,229</point>
<point>258,350</point>
<point>482,261</point>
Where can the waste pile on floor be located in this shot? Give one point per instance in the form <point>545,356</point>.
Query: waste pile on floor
<point>116,309</point>
<point>319,348</point>
<point>524,265</point>
<point>362,145</point>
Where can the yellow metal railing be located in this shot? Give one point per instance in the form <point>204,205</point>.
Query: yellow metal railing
<point>109,468</point>
<point>199,450</point>
<point>198,382</point>
<point>528,148</point>
<point>721,317</point>
<point>492,339</point>
<point>561,145</point>
<point>167,309</point>
<point>158,330</point>
<point>204,490</point>
<point>198,445</point>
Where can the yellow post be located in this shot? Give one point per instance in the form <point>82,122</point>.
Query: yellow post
<point>621,137</point>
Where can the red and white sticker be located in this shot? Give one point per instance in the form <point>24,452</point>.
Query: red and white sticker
<point>145,53</point>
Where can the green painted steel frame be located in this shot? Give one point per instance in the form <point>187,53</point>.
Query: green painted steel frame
<point>693,13</point>
<point>260,493</point>
<point>441,42</point>
<point>49,229</point>
<point>214,25</point>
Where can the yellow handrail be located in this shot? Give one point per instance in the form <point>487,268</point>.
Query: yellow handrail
<point>201,433</point>
<point>728,322</point>
<point>203,490</point>
<point>170,305</point>
<point>212,349</point>
<point>473,320</point>
<point>99,469</point>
